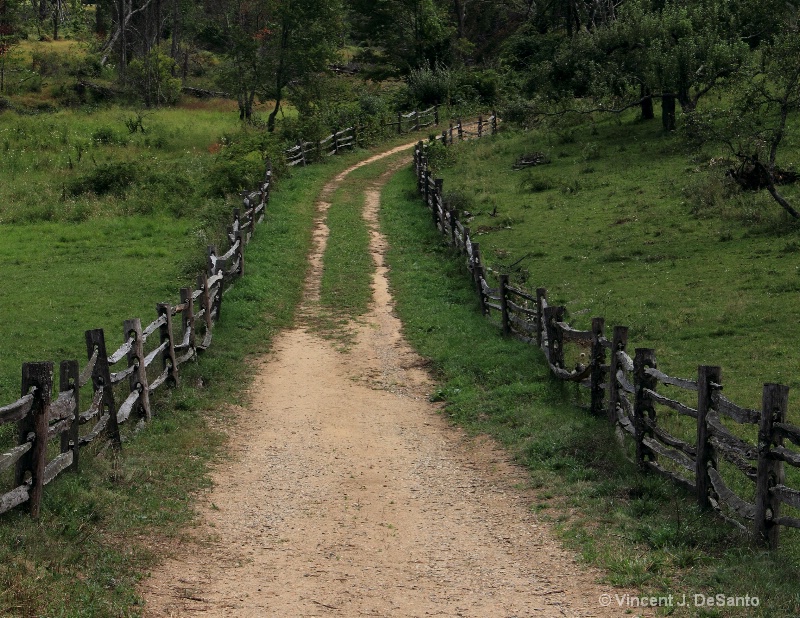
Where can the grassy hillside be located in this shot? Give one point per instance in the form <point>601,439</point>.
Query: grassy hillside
<point>643,531</point>
<point>624,222</point>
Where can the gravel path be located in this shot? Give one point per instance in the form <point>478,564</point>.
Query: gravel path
<point>349,495</point>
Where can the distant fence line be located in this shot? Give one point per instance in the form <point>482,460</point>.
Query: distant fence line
<point>625,390</point>
<point>306,152</point>
<point>181,331</point>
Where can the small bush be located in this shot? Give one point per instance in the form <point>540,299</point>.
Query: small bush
<point>107,178</point>
<point>431,85</point>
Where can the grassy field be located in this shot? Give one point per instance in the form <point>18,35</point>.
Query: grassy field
<point>98,224</point>
<point>624,223</point>
<point>643,531</point>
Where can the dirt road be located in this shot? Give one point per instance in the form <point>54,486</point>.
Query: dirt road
<point>349,495</point>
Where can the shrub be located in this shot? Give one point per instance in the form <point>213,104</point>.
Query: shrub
<point>431,85</point>
<point>106,178</point>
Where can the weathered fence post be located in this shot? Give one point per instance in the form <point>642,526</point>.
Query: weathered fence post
<point>399,123</point>
<point>480,126</point>
<point>599,370</point>
<point>454,228</point>
<point>775,402</point>
<point>302,152</point>
<point>438,203</point>
<point>467,241</point>
<point>618,344</point>
<point>451,132</point>
<point>240,252</point>
<point>460,130</point>
<point>69,378</point>
<point>336,141</point>
<point>211,252</point>
<point>202,284</point>
<point>477,274</point>
<point>436,115</point>
<point>138,379</point>
<point>541,303</point>
<point>166,335</point>
<point>416,120</point>
<point>37,376</point>
<point>494,122</point>
<point>101,381</point>
<point>555,336</point>
<point>187,317</point>
<point>708,380</point>
<point>504,305</point>
<point>643,406</point>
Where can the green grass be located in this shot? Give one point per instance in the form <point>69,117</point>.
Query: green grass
<point>346,286</point>
<point>102,529</point>
<point>643,531</point>
<point>624,224</point>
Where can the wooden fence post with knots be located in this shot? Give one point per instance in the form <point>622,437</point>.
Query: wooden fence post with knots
<point>38,379</point>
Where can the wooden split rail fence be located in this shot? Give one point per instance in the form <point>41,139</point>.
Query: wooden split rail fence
<point>49,434</point>
<point>692,437</point>
<point>305,152</point>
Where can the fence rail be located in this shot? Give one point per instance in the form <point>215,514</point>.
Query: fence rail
<point>149,357</point>
<point>629,391</point>
<point>305,152</point>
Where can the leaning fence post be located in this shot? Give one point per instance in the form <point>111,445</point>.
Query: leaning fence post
<point>37,376</point>
<point>618,344</point>
<point>643,406</point>
<point>504,304</point>
<point>599,369</point>
<point>708,380</point>
<point>775,402</point>
<point>69,377</point>
<point>101,381</point>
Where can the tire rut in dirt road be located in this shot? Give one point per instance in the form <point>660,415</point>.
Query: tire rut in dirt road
<point>350,495</point>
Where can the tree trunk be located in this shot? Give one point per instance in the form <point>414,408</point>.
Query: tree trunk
<point>176,35</point>
<point>668,111</point>
<point>273,114</point>
<point>646,104</point>
<point>55,22</point>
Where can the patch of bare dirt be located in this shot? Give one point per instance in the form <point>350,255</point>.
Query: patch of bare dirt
<point>349,494</point>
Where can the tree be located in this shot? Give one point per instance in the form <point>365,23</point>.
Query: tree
<point>408,33</point>
<point>274,45</point>
<point>757,126</point>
